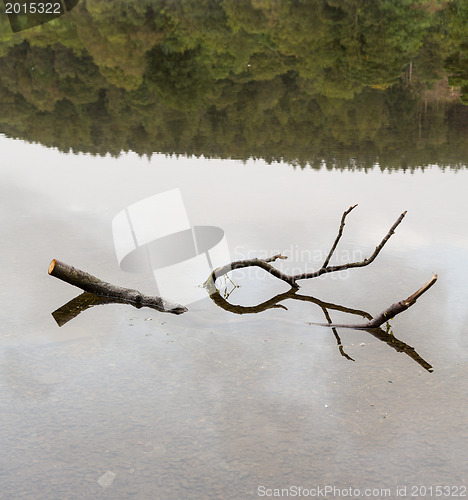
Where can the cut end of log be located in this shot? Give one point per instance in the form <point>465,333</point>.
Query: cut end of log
<point>51,266</point>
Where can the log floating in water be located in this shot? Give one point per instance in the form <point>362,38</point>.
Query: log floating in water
<point>90,283</point>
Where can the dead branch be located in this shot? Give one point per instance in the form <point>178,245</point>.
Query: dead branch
<point>340,233</point>
<point>239,264</point>
<point>365,262</point>
<point>94,285</point>
<point>388,313</point>
<point>292,280</point>
<point>110,293</point>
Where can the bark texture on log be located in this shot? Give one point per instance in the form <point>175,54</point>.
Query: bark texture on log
<point>90,283</point>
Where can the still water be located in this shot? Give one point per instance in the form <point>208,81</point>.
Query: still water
<point>262,122</point>
<point>132,403</point>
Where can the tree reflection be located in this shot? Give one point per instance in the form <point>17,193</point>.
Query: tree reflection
<point>343,84</point>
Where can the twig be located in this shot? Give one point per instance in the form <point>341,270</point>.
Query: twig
<point>365,262</point>
<point>90,283</point>
<point>340,233</point>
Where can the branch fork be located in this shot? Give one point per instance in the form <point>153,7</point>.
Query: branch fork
<point>325,268</point>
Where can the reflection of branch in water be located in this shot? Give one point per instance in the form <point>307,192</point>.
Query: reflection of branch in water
<point>399,346</point>
<point>77,305</point>
<point>227,293</point>
<point>85,301</point>
<point>337,337</point>
<point>90,283</point>
<point>274,302</point>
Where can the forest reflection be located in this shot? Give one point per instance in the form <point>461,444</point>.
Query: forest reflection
<point>336,84</point>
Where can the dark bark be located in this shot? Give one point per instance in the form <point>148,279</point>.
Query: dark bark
<point>90,283</point>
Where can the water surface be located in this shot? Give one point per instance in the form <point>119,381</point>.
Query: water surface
<point>212,404</point>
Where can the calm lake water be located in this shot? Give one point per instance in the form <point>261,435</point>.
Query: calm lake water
<point>262,122</point>
<point>212,404</point>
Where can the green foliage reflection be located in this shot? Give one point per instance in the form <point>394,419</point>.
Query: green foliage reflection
<point>373,81</point>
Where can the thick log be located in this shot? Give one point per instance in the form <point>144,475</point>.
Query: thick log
<point>90,283</point>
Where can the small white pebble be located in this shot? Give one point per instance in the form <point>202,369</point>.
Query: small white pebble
<point>106,479</point>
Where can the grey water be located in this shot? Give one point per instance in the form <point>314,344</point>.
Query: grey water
<point>122,402</point>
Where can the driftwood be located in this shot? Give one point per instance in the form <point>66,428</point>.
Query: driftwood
<point>90,283</point>
<point>393,310</point>
<point>373,324</point>
<point>99,292</point>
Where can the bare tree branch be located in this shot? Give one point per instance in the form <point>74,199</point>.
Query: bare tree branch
<point>262,263</point>
<point>365,262</point>
<point>292,280</point>
<point>111,293</point>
